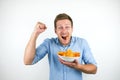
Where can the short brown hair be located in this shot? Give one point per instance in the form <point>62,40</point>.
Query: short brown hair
<point>61,17</point>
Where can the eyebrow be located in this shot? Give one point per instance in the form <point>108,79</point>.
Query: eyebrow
<point>65,24</point>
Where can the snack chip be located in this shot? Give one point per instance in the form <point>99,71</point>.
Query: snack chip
<point>69,53</point>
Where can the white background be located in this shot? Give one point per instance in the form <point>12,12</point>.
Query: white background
<point>98,21</point>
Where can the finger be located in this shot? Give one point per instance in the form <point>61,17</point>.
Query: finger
<point>76,61</point>
<point>67,63</point>
<point>41,25</point>
<point>62,61</point>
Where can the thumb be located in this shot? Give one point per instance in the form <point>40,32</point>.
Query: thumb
<point>76,61</point>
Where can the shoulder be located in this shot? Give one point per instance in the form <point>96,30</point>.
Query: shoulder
<point>78,39</point>
<point>50,40</point>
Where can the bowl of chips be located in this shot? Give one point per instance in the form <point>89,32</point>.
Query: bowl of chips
<point>68,55</point>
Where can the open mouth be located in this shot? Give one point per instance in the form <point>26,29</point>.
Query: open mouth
<point>64,37</point>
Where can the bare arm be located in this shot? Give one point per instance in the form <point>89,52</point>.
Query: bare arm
<point>31,45</point>
<point>86,68</point>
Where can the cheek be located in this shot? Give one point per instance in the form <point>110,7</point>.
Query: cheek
<point>71,31</point>
<point>57,32</point>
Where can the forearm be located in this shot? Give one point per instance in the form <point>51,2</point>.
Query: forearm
<point>30,50</point>
<point>87,68</point>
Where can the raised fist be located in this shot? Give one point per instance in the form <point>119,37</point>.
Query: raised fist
<point>39,28</point>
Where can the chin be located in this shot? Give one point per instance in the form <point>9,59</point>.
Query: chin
<point>65,44</point>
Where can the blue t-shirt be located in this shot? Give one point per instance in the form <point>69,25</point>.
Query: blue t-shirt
<point>59,71</point>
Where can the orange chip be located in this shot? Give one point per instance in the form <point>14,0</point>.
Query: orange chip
<point>69,53</point>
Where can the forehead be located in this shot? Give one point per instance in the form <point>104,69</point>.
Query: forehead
<point>63,22</point>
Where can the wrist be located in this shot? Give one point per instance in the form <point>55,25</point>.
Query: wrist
<point>78,67</point>
<point>35,34</point>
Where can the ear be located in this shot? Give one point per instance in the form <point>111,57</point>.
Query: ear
<point>55,30</point>
<point>72,28</point>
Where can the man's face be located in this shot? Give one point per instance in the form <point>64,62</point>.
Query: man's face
<point>64,31</point>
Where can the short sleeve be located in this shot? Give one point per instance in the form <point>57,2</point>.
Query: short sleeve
<point>87,54</point>
<point>41,51</point>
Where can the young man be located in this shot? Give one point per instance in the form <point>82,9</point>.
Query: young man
<point>60,69</point>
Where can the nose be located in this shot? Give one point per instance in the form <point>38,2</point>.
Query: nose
<point>64,30</point>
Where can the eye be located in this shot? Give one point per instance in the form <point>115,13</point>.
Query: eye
<point>60,28</point>
<point>67,27</point>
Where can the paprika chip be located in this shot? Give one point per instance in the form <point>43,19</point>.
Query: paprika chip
<point>69,53</point>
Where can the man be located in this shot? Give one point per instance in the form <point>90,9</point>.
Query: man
<point>60,69</point>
